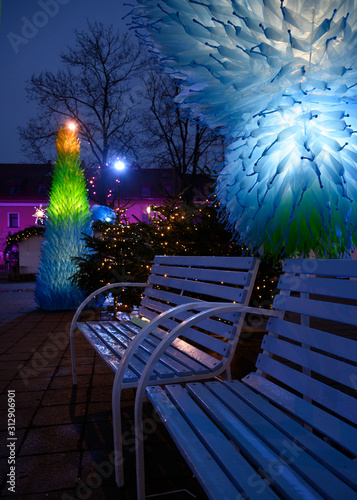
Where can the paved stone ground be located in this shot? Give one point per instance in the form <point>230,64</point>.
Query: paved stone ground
<point>15,299</point>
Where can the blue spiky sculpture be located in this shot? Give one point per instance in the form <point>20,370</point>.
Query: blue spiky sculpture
<point>68,218</point>
<point>279,78</point>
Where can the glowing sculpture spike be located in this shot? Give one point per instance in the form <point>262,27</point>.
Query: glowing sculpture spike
<point>68,218</point>
<point>280,80</point>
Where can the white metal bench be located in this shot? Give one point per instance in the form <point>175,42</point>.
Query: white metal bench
<point>288,430</point>
<point>178,288</point>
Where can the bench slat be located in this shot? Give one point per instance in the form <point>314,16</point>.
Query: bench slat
<point>211,477</point>
<point>213,326</point>
<point>343,289</point>
<point>329,425</point>
<point>313,472</point>
<point>327,310</point>
<point>142,355</point>
<point>203,275</point>
<point>262,456</point>
<point>339,346</point>
<point>202,357</point>
<point>330,398</point>
<point>205,340</point>
<point>196,354</point>
<point>175,354</point>
<point>174,364</point>
<point>206,289</point>
<point>136,364</point>
<point>106,355</point>
<point>246,263</point>
<point>212,343</point>
<point>235,468</point>
<point>167,297</point>
<point>346,267</point>
<point>336,370</point>
<point>333,459</point>
<point>162,298</point>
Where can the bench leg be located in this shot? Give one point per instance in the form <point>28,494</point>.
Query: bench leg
<point>73,356</point>
<point>228,373</point>
<point>139,448</point>
<point>118,442</point>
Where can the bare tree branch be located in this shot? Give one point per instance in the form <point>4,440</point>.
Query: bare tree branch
<point>174,139</point>
<point>93,89</point>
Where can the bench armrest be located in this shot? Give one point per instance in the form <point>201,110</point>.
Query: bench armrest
<point>97,292</point>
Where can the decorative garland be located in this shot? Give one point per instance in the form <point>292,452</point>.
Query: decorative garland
<point>24,234</point>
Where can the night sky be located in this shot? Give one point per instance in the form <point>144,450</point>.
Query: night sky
<point>26,49</point>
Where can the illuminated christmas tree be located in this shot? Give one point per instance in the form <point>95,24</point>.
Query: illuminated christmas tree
<point>122,251</point>
<point>68,219</point>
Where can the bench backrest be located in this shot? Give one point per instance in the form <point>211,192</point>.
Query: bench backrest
<point>313,350</point>
<point>176,280</point>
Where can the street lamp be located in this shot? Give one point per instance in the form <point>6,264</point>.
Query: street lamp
<point>119,165</point>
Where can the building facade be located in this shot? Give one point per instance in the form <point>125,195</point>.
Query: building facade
<point>25,187</point>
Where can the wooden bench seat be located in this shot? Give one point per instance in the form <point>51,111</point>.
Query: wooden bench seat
<point>178,289</point>
<point>288,430</point>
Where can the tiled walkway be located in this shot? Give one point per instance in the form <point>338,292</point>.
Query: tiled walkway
<point>64,436</point>
<point>15,299</point>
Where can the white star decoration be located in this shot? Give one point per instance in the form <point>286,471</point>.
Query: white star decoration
<point>40,214</point>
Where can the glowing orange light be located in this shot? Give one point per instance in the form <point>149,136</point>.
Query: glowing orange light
<point>72,126</point>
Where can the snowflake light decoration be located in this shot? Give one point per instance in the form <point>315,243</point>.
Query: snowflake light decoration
<point>279,78</point>
<point>40,214</point>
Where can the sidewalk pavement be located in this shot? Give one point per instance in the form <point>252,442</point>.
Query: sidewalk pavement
<point>16,299</point>
<point>64,435</point>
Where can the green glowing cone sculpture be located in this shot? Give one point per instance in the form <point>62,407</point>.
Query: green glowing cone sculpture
<point>68,218</point>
